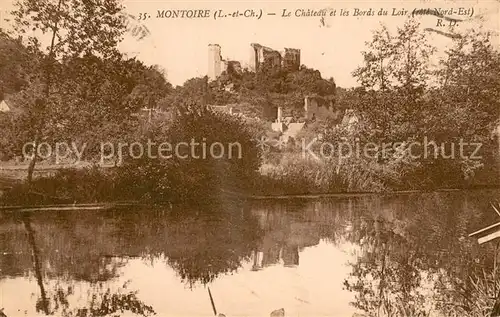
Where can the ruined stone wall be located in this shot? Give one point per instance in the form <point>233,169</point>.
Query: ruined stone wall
<point>316,107</point>
<point>254,58</point>
<point>272,59</point>
<point>257,56</point>
<point>291,59</point>
<point>261,56</point>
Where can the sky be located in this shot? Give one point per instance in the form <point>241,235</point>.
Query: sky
<point>180,46</point>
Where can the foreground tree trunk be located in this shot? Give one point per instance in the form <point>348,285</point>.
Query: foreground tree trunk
<point>31,166</point>
<point>41,105</point>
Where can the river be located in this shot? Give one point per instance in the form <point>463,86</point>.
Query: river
<point>387,255</point>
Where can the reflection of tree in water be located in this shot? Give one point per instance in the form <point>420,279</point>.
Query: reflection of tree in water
<point>198,242</point>
<point>466,281</point>
<point>201,244</point>
<point>385,276</point>
<point>43,303</point>
<point>401,241</point>
<point>73,245</point>
<point>428,262</point>
<point>13,241</point>
<point>102,301</point>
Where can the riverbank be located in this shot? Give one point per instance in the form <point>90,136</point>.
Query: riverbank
<point>354,194</point>
<point>101,188</point>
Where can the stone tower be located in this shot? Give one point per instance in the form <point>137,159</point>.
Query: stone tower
<point>214,61</point>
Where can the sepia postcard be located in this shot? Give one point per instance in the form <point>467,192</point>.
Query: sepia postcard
<point>250,159</point>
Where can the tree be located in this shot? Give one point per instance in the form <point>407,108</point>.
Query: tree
<point>467,105</point>
<point>377,67</point>
<point>151,87</point>
<point>104,95</point>
<point>395,74</point>
<point>199,171</point>
<point>15,64</point>
<point>74,28</point>
<point>470,81</point>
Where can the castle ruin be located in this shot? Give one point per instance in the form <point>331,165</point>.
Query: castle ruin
<point>217,65</point>
<point>291,59</point>
<point>264,56</point>
<point>260,57</point>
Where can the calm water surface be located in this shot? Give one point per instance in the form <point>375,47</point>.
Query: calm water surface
<point>405,255</point>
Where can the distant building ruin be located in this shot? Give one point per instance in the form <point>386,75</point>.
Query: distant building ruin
<point>217,65</point>
<point>214,61</point>
<point>291,59</point>
<point>316,107</point>
<point>260,57</point>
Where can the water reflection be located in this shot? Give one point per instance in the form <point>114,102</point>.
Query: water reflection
<point>377,256</point>
<point>43,303</point>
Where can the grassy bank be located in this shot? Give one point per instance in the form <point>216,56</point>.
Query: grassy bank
<point>153,183</point>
